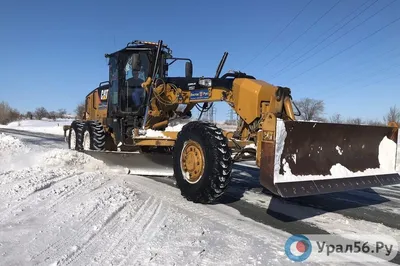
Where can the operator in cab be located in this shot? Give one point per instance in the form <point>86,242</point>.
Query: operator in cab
<point>135,76</point>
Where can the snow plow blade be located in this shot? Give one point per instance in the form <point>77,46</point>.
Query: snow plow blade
<point>318,158</point>
<point>146,164</point>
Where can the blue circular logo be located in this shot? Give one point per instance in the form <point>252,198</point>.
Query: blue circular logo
<point>298,248</point>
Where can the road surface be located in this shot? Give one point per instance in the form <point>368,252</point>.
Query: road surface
<point>95,216</point>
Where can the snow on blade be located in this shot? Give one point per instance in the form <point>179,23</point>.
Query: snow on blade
<point>339,150</point>
<point>387,148</point>
<point>398,153</point>
<point>279,145</point>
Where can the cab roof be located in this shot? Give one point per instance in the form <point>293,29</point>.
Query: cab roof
<point>141,45</point>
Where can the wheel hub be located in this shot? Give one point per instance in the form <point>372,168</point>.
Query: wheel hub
<point>192,161</point>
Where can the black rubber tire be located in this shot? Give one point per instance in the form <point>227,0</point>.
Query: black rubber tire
<point>218,162</point>
<point>97,135</point>
<point>77,127</point>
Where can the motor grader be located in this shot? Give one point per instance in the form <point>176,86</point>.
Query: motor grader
<point>142,118</point>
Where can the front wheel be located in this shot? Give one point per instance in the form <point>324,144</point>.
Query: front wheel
<point>202,162</point>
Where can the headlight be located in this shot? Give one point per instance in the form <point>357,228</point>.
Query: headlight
<point>205,82</point>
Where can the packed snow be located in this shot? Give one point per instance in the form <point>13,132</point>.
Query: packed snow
<point>41,126</point>
<point>60,206</point>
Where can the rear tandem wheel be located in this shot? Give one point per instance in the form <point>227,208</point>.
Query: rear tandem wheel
<point>75,135</point>
<point>93,136</point>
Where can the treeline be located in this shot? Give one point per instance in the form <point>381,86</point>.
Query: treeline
<point>9,114</point>
<point>313,110</point>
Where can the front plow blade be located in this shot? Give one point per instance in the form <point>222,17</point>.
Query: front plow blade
<point>149,164</point>
<point>317,158</point>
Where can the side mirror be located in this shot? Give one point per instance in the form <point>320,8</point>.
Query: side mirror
<point>189,70</point>
<point>136,62</point>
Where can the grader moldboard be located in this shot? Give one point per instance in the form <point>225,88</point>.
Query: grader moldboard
<point>128,121</point>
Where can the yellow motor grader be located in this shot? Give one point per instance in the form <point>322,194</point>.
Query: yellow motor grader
<point>141,118</point>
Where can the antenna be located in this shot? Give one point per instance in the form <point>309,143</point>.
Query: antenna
<point>221,65</point>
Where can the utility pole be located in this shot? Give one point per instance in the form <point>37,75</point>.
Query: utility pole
<point>210,115</point>
<point>231,120</point>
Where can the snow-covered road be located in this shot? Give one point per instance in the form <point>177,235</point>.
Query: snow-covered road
<point>62,207</point>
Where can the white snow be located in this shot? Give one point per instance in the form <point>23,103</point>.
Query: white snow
<point>398,153</point>
<point>159,134</point>
<point>387,148</point>
<point>41,126</point>
<point>62,207</point>
<point>251,146</point>
<point>279,145</point>
<point>337,171</point>
<point>175,128</point>
<point>339,150</point>
<point>334,223</point>
<point>151,133</point>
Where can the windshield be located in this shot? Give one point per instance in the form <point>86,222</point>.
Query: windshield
<point>137,76</point>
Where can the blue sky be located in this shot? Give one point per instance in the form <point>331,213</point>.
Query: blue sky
<point>52,52</point>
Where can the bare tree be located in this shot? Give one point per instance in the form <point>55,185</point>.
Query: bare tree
<point>14,115</point>
<point>40,113</point>
<point>52,115</point>
<point>61,113</point>
<point>79,110</point>
<point>29,115</point>
<point>375,123</point>
<point>393,115</point>
<point>355,121</point>
<point>336,118</point>
<point>7,113</point>
<point>311,109</point>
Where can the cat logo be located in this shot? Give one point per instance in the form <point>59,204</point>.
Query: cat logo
<point>104,94</point>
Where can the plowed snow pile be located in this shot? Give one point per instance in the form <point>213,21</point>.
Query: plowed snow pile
<point>61,207</point>
<point>15,155</point>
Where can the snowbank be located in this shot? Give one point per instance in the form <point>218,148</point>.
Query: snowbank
<point>16,155</point>
<point>61,207</point>
<point>40,126</point>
